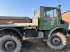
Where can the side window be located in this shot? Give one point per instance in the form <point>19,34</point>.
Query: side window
<point>34,13</point>
<point>51,13</point>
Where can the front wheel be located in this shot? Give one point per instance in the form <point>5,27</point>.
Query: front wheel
<point>57,40</point>
<point>9,44</point>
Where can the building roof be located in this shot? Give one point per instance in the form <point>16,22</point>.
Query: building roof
<point>13,17</point>
<point>66,12</point>
<point>66,16</point>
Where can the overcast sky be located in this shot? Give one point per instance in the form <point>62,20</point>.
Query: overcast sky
<point>27,7</point>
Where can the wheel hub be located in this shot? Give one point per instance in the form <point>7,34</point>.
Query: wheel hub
<point>10,45</point>
<point>56,41</point>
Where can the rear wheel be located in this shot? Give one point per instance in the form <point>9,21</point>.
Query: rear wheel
<point>9,44</point>
<point>57,40</point>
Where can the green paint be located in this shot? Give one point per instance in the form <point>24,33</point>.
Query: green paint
<point>48,23</point>
<point>52,22</point>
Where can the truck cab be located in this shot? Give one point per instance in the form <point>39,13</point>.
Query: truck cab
<point>50,17</point>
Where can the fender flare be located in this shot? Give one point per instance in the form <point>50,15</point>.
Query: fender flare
<point>54,30</point>
<point>12,29</point>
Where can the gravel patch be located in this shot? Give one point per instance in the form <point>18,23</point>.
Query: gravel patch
<point>37,45</point>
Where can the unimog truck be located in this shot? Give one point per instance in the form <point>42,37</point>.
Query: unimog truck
<point>46,24</point>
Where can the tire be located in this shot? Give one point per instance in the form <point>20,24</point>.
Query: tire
<point>8,40</point>
<point>57,41</point>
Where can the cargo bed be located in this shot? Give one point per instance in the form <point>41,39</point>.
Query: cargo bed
<point>33,24</point>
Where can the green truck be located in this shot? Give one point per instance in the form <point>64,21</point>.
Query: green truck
<point>46,24</point>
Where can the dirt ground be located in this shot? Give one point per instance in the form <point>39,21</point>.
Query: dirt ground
<point>37,45</point>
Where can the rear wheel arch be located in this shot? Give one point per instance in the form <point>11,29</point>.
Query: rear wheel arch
<point>12,30</point>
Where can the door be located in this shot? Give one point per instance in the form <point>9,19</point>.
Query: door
<point>50,19</point>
